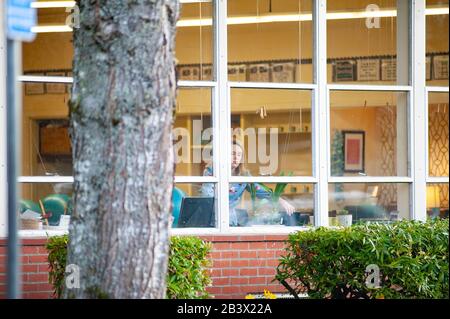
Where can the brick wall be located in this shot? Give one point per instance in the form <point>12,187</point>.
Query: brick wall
<point>244,264</point>
<point>34,269</point>
<point>240,265</point>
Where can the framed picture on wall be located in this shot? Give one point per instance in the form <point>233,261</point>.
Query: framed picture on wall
<point>283,72</point>
<point>344,71</point>
<point>354,151</point>
<point>440,67</point>
<point>368,70</point>
<point>259,72</point>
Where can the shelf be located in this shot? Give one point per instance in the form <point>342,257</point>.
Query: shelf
<point>201,146</point>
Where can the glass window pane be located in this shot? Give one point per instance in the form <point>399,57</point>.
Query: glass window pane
<point>54,199</point>
<point>293,207</point>
<point>194,41</point>
<point>270,41</point>
<point>437,42</point>
<point>369,133</point>
<point>194,205</point>
<point>437,200</point>
<point>50,51</point>
<point>46,147</point>
<point>271,131</point>
<point>193,132</point>
<point>364,40</point>
<point>368,202</point>
<point>438,134</point>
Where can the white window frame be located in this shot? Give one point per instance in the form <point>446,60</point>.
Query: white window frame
<point>3,183</point>
<point>320,89</point>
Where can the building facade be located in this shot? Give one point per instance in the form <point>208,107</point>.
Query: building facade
<point>335,105</point>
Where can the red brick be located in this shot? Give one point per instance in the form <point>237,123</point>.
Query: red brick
<point>221,281</point>
<point>239,263</point>
<point>30,268</point>
<point>30,250</point>
<point>266,254</point>
<point>253,238</point>
<point>257,280</point>
<point>225,238</point>
<point>276,245</point>
<point>229,254</point>
<point>38,295</point>
<point>30,287</point>
<point>248,272</point>
<point>219,263</point>
<point>258,262</point>
<point>231,289</point>
<point>240,246</point>
<point>247,254</point>
<point>215,255</point>
<point>44,267</point>
<point>38,277</point>
<point>230,272</point>
<point>216,272</point>
<point>276,237</point>
<point>42,250</point>
<point>221,246</point>
<point>37,259</point>
<point>272,262</point>
<point>266,271</point>
<point>45,287</point>
<point>259,245</point>
<point>214,290</point>
<point>239,281</point>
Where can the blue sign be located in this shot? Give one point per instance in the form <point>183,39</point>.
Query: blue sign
<point>21,17</point>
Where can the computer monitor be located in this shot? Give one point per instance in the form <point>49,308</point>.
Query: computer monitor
<point>197,212</point>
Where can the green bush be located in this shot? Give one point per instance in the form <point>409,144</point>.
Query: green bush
<point>412,257</point>
<point>187,275</point>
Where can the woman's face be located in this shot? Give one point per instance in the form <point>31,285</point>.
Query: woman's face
<point>236,156</point>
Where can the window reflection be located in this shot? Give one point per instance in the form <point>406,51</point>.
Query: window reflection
<point>367,203</point>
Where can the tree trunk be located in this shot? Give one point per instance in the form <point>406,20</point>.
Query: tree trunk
<point>121,109</point>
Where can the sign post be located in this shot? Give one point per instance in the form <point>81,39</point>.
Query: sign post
<point>20,19</point>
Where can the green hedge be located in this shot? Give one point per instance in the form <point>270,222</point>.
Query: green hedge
<point>187,276</point>
<point>412,258</point>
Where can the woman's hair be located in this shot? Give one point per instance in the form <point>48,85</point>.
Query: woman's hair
<point>240,170</point>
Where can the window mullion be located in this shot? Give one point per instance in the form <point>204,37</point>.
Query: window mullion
<point>418,100</point>
<point>320,113</point>
<point>223,119</point>
<point>3,183</point>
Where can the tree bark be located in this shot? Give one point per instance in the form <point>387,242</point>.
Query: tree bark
<point>121,109</point>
